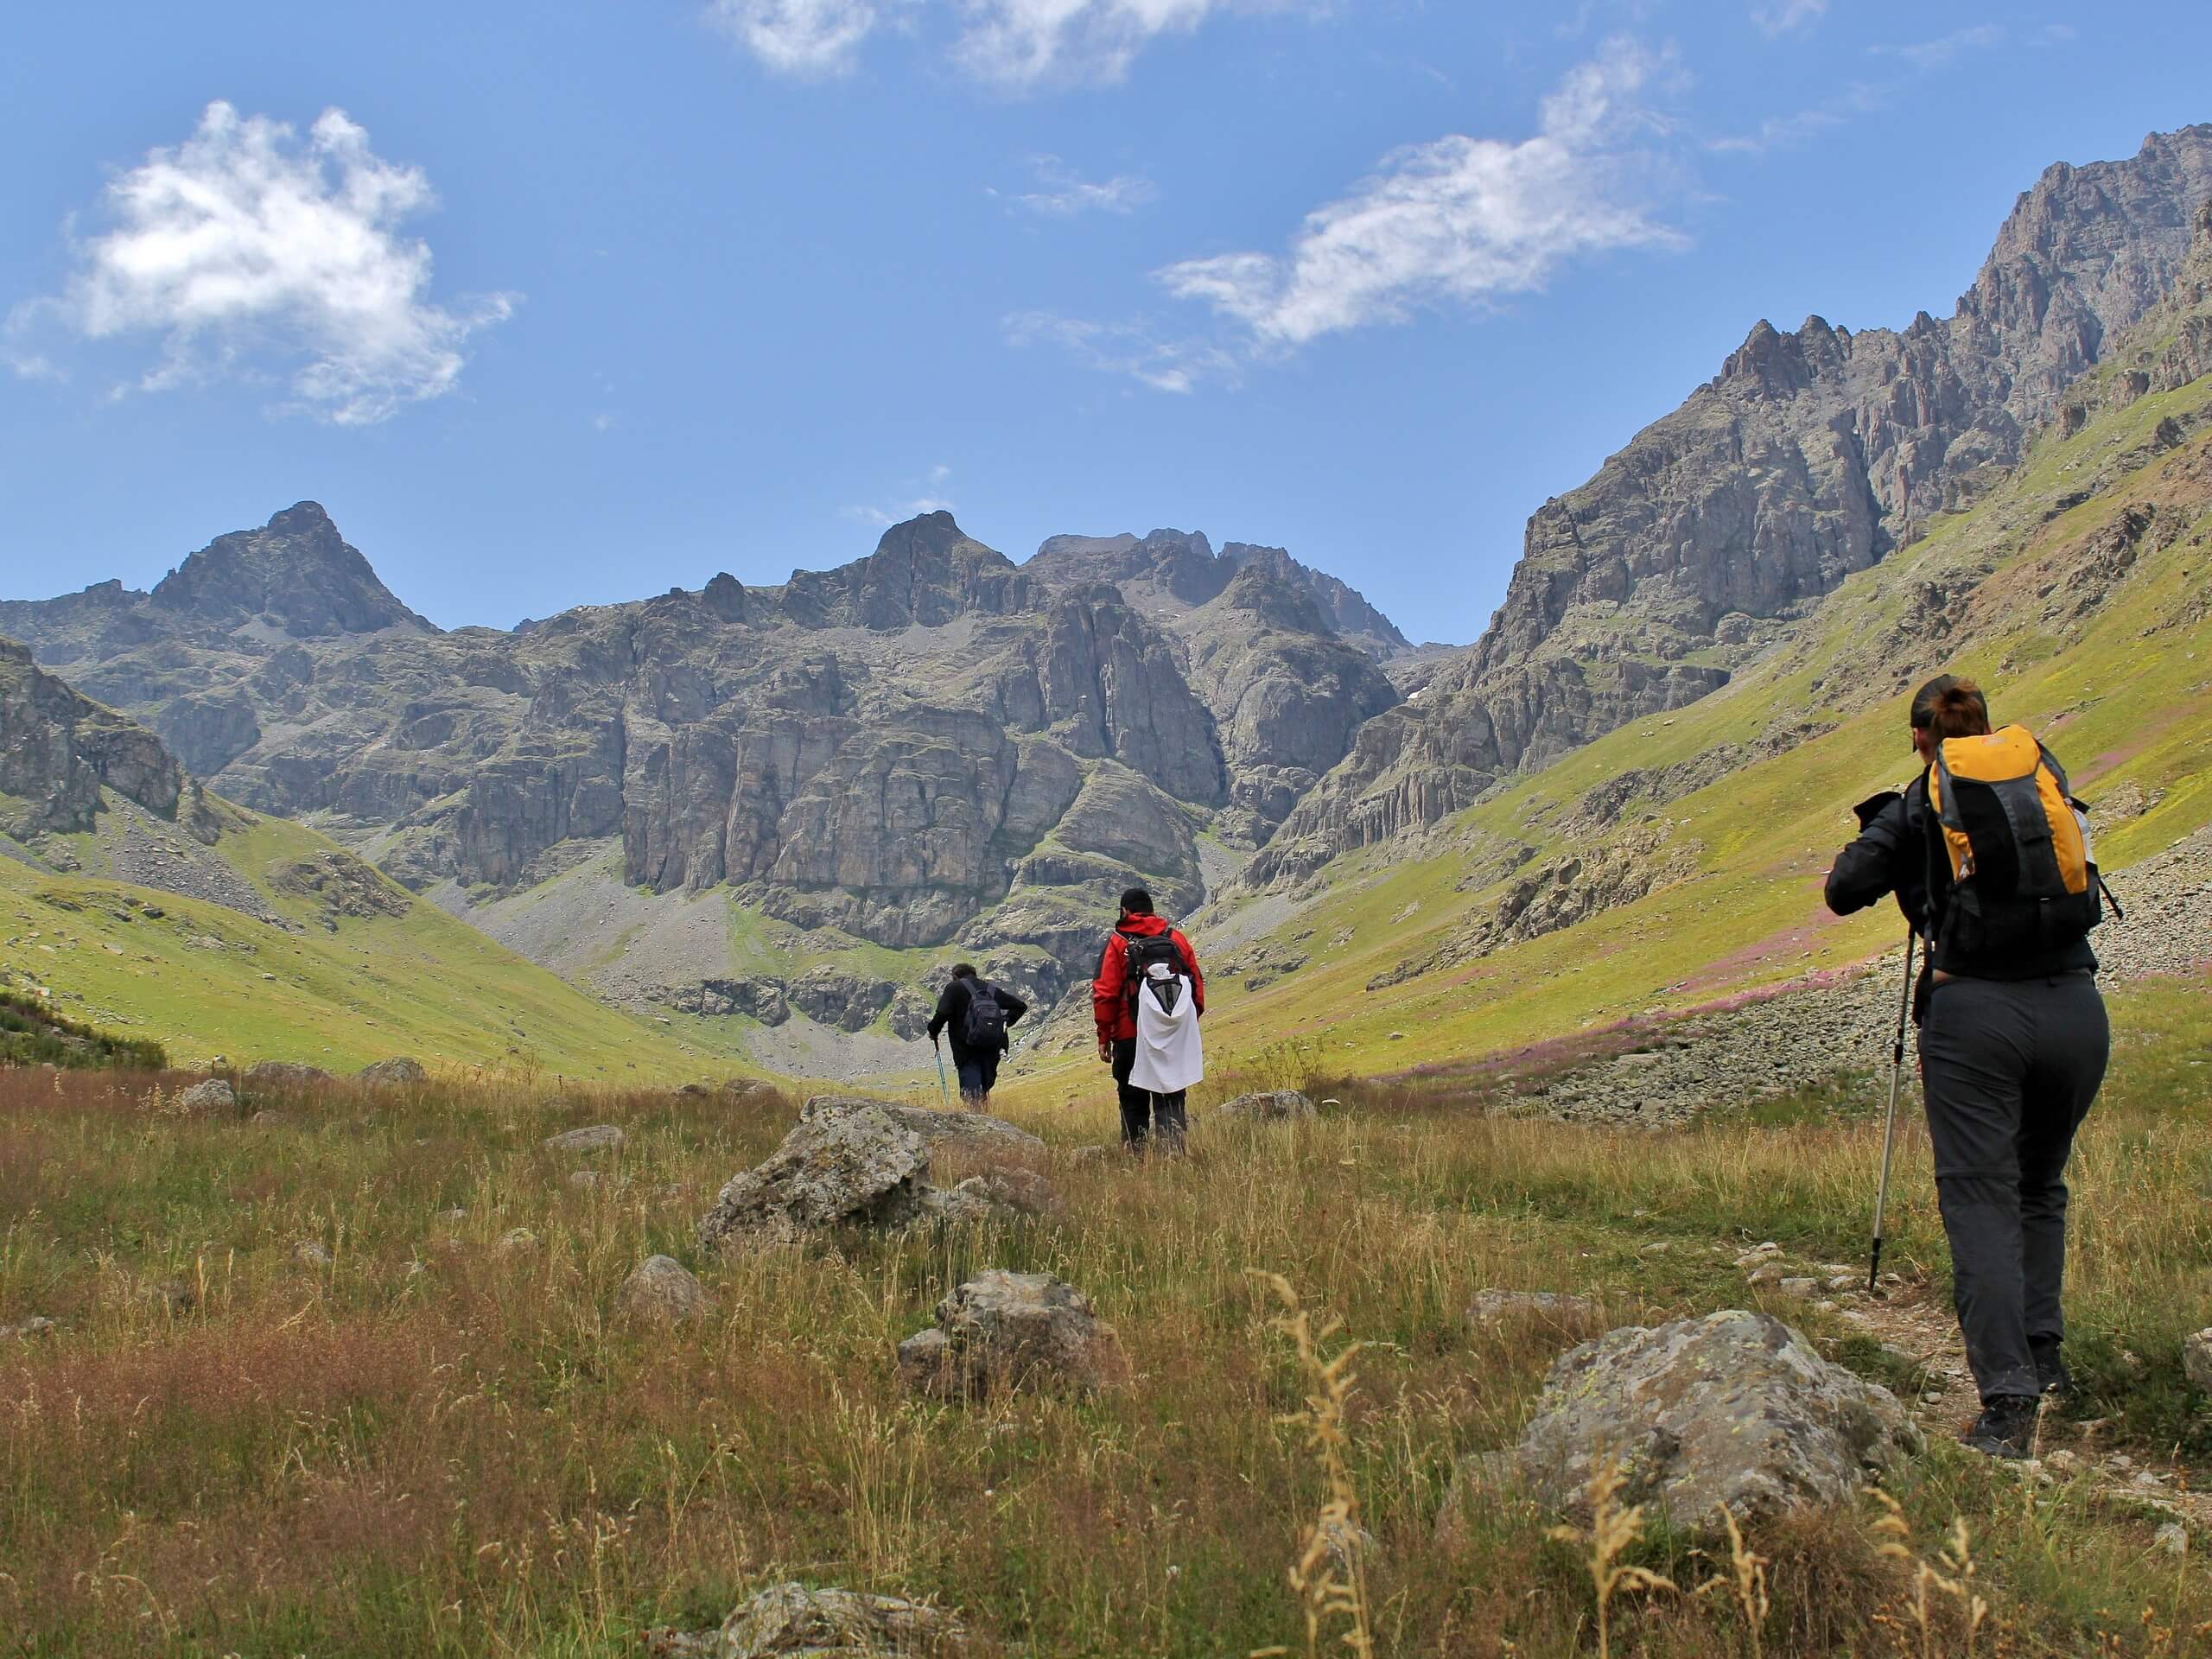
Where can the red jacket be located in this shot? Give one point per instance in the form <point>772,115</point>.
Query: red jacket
<point>1109,997</point>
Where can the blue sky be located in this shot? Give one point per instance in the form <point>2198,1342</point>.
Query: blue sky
<point>571,302</point>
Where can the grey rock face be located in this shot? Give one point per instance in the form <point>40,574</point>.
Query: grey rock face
<point>790,1621</point>
<point>1546,1308</point>
<point>660,1290</point>
<point>397,1073</point>
<point>1733,1410</point>
<point>836,997</point>
<point>59,749</point>
<point>1809,457</point>
<point>977,1129</point>
<point>2196,1360</point>
<point>207,1098</point>
<point>1010,1330</point>
<point>845,1163</point>
<point>595,1137</point>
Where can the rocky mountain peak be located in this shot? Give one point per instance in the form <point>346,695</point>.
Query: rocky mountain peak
<point>295,576</point>
<point>1267,593</point>
<point>924,573</point>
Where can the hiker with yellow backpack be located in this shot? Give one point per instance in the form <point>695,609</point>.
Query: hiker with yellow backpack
<point>1990,859</point>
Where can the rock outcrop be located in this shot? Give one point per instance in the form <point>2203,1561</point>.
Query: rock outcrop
<point>793,1621</point>
<point>845,1163</point>
<point>1002,1331</point>
<point>1735,1410</point>
<point>661,1290</point>
<point>58,750</point>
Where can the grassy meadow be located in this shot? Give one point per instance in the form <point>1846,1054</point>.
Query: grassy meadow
<point>439,1440</point>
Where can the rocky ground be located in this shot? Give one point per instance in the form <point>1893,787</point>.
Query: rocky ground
<point>1808,1034</point>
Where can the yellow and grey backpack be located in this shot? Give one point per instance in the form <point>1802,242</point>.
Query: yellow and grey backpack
<point>2023,875</point>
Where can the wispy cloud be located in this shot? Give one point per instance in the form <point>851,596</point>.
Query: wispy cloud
<point>1133,349</point>
<point>808,38</point>
<point>1933,54</point>
<point>243,247</point>
<point>1012,44</point>
<point>882,518</point>
<point>1787,16</point>
<point>1062,193</point>
<point>1782,131</point>
<point>1460,220</point>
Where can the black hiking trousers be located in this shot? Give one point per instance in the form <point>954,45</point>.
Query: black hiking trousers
<point>2010,1068</point>
<point>1143,1112</point>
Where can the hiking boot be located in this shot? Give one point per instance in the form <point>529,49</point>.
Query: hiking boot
<point>2006,1428</point>
<point>2055,1381</point>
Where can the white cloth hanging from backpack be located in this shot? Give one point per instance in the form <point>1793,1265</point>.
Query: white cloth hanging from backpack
<point>1169,1055</point>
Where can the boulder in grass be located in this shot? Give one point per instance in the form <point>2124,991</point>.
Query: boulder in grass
<point>1014,1188</point>
<point>1004,1331</point>
<point>979,1130</point>
<point>207,1099</point>
<point>1732,1411</point>
<point>1268,1106</point>
<point>660,1290</point>
<point>793,1621</point>
<point>845,1163</point>
<point>597,1137</point>
<point>1549,1308</point>
<point>2197,1361</point>
<point>397,1073</point>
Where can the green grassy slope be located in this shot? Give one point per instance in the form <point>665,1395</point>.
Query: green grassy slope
<point>205,980</point>
<point>2123,693</point>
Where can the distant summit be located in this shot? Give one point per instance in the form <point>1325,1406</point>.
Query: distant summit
<point>296,575</point>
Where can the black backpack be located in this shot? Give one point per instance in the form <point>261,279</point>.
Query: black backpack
<point>1140,954</point>
<point>984,1024</point>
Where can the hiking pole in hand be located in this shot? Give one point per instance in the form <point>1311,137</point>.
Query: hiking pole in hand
<point>1889,1127</point>
<point>945,1094</point>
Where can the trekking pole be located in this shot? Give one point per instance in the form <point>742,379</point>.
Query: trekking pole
<point>1889,1127</point>
<point>943,1093</point>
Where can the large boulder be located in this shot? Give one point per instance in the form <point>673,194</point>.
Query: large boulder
<point>1734,1410</point>
<point>203,1099</point>
<point>1006,1331</point>
<point>1269,1106</point>
<point>660,1290</point>
<point>790,1621</point>
<point>397,1073</point>
<point>594,1137</point>
<point>846,1162</point>
<point>977,1129</point>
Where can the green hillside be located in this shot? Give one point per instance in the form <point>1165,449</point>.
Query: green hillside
<point>333,990</point>
<point>2075,592</point>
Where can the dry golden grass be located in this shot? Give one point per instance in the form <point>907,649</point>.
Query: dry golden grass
<point>439,1442</point>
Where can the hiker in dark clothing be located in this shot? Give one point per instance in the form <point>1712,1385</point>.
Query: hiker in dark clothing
<point>2013,1036</point>
<point>975,1014</point>
<point>1138,936</point>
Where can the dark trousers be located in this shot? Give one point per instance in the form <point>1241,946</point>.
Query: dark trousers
<point>2010,1068</point>
<point>1142,1112</point>
<point>979,1073</point>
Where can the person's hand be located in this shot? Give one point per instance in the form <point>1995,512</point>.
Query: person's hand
<point>1106,1050</point>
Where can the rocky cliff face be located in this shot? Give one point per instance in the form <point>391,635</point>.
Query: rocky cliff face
<point>60,751</point>
<point>927,747</point>
<point>1809,457</point>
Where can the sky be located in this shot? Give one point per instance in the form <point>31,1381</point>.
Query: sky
<point>574,302</point>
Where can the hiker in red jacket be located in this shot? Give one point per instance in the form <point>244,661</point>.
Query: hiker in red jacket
<point>1138,936</point>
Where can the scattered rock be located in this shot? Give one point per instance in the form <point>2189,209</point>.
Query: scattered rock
<point>284,1074</point>
<point>2196,1360</point>
<point>37,1325</point>
<point>1268,1106</point>
<point>268,1118</point>
<point>790,1621</point>
<point>598,1137</point>
<point>518,1240</point>
<point>1735,1409</point>
<point>204,1098</point>
<point>1797,1285</point>
<point>661,1290</point>
<point>584,1179</point>
<point>397,1073</point>
<point>1550,1307</point>
<point>311,1252</point>
<point>845,1162</point>
<point>1010,1330</point>
<point>1012,1187</point>
<point>938,1128</point>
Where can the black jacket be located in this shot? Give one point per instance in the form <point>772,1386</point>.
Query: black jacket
<point>952,1014</point>
<point>1896,854</point>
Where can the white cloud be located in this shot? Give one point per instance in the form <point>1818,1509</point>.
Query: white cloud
<point>1015,44</point>
<point>1933,54</point>
<point>809,38</point>
<point>1063,193</point>
<point>1786,17</point>
<point>242,243</point>
<point>1460,220</point>
<point>1130,349</point>
<point>882,518</point>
